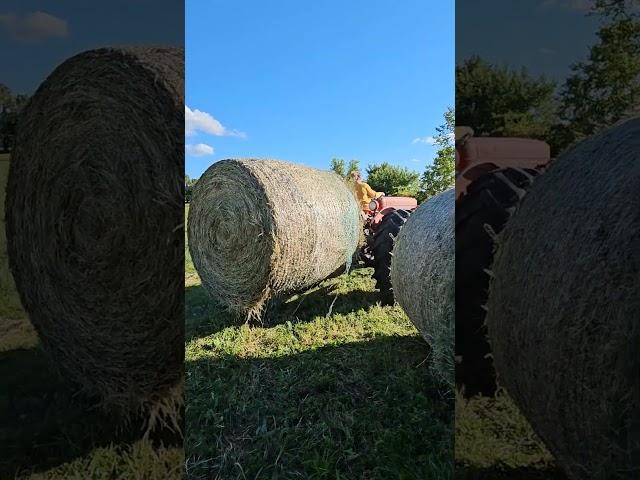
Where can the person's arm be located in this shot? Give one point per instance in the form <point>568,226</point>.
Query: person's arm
<point>371,193</point>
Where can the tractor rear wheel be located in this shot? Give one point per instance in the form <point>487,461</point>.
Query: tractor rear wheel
<point>482,211</point>
<point>382,249</point>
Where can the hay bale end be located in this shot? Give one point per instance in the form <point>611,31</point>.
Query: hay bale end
<point>261,228</point>
<point>94,211</point>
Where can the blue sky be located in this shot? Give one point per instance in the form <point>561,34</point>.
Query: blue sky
<point>38,35</point>
<point>309,81</point>
<point>545,36</point>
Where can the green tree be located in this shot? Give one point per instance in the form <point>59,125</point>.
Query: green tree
<point>393,180</point>
<point>354,166</point>
<point>499,101</point>
<point>606,87</point>
<point>617,9</point>
<point>10,107</point>
<point>339,166</point>
<point>189,184</point>
<point>440,175</point>
<point>6,97</point>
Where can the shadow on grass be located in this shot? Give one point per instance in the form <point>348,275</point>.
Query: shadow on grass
<point>504,473</point>
<point>356,410</point>
<point>43,423</point>
<point>321,301</point>
<point>205,317</point>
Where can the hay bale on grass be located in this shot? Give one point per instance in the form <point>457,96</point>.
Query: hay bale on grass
<point>564,302</point>
<point>423,277</point>
<point>94,210</point>
<point>262,228</point>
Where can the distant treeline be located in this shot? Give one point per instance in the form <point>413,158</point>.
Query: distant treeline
<point>189,183</point>
<point>438,175</point>
<point>10,106</point>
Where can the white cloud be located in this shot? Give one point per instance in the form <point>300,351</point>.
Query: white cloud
<point>546,51</point>
<point>34,26</point>
<point>199,150</point>
<point>430,140</point>
<point>197,121</point>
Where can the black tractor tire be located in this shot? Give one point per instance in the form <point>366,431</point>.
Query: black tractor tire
<point>382,248</point>
<point>480,213</point>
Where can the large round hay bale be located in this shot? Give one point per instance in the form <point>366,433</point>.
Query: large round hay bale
<point>94,213</point>
<point>262,228</point>
<point>564,306</point>
<point>423,277</point>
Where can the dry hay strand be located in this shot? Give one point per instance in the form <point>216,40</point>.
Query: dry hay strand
<point>94,213</point>
<point>423,277</point>
<point>261,228</point>
<point>563,306</point>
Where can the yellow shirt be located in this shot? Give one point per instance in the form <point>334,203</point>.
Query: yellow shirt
<point>364,194</point>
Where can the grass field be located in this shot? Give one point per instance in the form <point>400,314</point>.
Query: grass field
<point>10,307</point>
<point>494,441</point>
<point>313,394</point>
<point>46,430</point>
<point>345,395</point>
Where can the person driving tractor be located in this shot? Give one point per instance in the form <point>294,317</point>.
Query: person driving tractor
<point>364,193</point>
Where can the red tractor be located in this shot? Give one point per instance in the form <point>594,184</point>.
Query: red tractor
<point>384,219</point>
<point>492,176</point>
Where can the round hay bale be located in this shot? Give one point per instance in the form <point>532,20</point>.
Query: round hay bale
<point>94,213</point>
<point>564,303</point>
<point>262,228</point>
<point>423,277</point>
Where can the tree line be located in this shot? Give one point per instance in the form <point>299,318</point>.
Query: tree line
<point>401,181</point>
<point>10,107</point>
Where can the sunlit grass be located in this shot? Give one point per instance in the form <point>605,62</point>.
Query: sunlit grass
<point>332,386</point>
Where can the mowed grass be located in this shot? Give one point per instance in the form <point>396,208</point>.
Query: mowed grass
<point>495,441</point>
<point>49,432</point>
<point>10,307</point>
<point>334,386</point>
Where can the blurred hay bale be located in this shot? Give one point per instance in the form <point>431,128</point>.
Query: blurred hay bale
<point>564,303</point>
<point>262,228</point>
<point>423,277</point>
<point>94,210</point>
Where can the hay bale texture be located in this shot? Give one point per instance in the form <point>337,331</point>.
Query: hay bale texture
<point>423,277</point>
<point>261,228</point>
<point>564,304</point>
<point>94,212</point>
